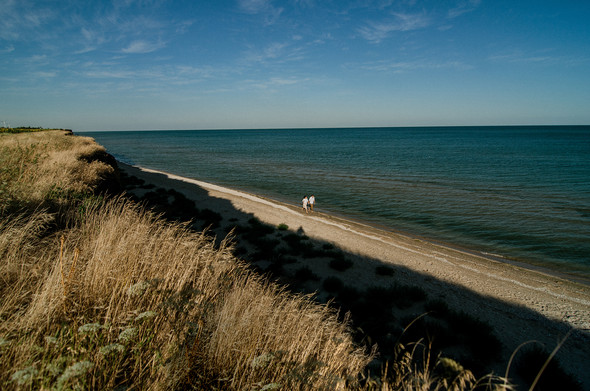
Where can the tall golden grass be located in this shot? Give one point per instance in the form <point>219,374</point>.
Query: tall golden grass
<point>100,293</point>
<point>40,165</point>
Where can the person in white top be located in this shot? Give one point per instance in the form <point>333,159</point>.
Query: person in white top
<point>305,201</point>
<point>311,202</point>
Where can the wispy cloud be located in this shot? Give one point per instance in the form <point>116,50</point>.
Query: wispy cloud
<point>271,52</point>
<point>20,19</point>
<point>377,31</point>
<point>254,6</point>
<point>541,57</point>
<point>127,26</point>
<point>7,49</point>
<point>414,65</point>
<point>111,74</point>
<point>277,52</point>
<point>45,74</point>
<point>463,7</point>
<point>274,83</point>
<point>261,7</point>
<point>140,47</point>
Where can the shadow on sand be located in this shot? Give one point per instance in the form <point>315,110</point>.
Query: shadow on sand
<point>382,311</point>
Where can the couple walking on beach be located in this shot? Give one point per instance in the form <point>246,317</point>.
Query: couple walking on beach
<point>308,203</point>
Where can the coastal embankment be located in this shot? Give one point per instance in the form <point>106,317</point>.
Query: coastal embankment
<point>170,284</point>
<point>520,304</point>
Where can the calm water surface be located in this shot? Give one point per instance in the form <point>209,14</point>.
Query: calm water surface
<point>522,193</point>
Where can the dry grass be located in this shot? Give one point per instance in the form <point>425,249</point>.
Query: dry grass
<point>38,166</point>
<point>102,294</point>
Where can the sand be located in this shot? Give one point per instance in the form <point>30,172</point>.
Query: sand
<point>521,304</point>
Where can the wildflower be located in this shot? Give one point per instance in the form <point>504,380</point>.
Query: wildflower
<point>51,340</point>
<point>263,360</point>
<point>138,289</point>
<point>89,328</point>
<point>128,334</point>
<point>56,367</point>
<point>145,315</point>
<point>75,370</point>
<point>112,348</point>
<point>53,369</point>
<point>24,375</point>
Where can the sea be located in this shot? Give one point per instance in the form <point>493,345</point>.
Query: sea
<point>514,193</point>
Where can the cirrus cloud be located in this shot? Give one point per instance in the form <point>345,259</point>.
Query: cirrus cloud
<point>375,32</point>
<point>140,46</point>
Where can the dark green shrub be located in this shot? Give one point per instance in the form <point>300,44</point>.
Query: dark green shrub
<point>240,251</point>
<point>275,269</point>
<point>183,206</point>
<point>283,227</point>
<point>210,217</point>
<point>340,264</point>
<point>348,295</point>
<point>437,308</point>
<point>333,284</point>
<point>408,295</point>
<point>437,332</point>
<point>529,363</point>
<point>259,227</point>
<point>288,259</point>
<point>155,197</point>
<point>383,270</point>
<point>266,250</point>
<point>130,181</point>
<point>292,239</point>
<point>298,244</point>
<point>476,334</point>
<point>304,274</point>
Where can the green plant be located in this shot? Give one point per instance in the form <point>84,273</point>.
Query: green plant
<point>340,264</point>
<point>383,270</point>
<point>536,362</point>
<point>304,273</point>
<point>333,284</point>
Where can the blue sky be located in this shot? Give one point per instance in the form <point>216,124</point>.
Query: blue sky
<point>156,64</point>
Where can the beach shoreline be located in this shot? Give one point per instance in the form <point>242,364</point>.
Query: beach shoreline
<point>520,303</point>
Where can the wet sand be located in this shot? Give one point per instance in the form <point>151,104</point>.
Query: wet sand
<point>521,304</point>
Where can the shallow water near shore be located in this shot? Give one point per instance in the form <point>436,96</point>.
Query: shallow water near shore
<point>520,193</point>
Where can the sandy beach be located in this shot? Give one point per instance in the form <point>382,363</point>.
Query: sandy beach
<point>521,304</point>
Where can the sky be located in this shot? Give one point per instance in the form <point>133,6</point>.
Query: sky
<point>215,64</point>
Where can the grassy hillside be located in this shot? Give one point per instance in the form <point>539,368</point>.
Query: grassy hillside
<point>100,293</point>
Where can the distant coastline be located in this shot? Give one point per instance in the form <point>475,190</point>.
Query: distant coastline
<point>539,126</point>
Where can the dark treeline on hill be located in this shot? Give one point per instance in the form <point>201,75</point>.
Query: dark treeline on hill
<point>23,129</point>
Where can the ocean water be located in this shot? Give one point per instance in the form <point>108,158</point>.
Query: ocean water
<point>518,193</point>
